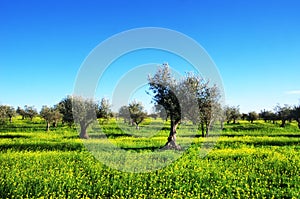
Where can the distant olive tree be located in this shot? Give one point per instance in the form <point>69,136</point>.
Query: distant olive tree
<point>209,107</point>
<point>232,113</point>
<point>104,110</point>
<point>284,113</point>
<point>207,100</point>
<point>7,112</point>
<point>137,113</point>
<point>50,115</point>
<point>2,115</point>
<point>21,112</point>
<point>124,113</point>
<point>65,108</point>
<point>296,114</point>
<point>244,116</point>
<point>30,111</point>
<point>252,116</point>
<point>11,112</point>
<point>84,113</point>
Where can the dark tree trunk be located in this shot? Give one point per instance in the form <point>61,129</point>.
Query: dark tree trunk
<point>298,120</point>
<point>10,119</point>
<point>206,129</point>
<point>48,126</point>
<point>171,143</point>
<point>202,129</point>
<point>83,134</point>
<point>282,123</point>
<point>54,124</point>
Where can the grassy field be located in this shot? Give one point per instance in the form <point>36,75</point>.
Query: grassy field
<point>259,160</point>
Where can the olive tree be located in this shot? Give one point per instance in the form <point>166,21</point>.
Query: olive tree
<point>232,113</point>
<point>30,111</point>
<point>190,98</point>
<point>124,113</point>
<point>206,97</point>
<point>21,112</point>
<point>7,112</point>
<point>65,108</point>
<point>50,115</point>
<point>2,115</point>
<point>284,113</point>
<point>84,113</point>
<point>164,88</point>
<point>104,110</point>
<point>252,116</point>
<point>268,116</point>
<point>137,113</point>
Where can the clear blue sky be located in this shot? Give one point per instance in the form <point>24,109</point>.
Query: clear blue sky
<point>255,44</point>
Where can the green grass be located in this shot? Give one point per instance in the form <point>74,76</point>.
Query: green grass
<point>259,160</point>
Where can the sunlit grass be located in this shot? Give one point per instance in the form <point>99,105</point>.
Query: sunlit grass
<point>259,160</point>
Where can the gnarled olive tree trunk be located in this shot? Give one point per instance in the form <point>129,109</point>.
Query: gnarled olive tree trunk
<point>171,143</point>
<point>83,133</point>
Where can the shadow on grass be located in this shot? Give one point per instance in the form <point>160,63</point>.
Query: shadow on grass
<point>22,129</point>
<point>139,149</point>
<point>14,136</point>
<point>42,147</point>
<point>110,135</point>
<point>247,128</point>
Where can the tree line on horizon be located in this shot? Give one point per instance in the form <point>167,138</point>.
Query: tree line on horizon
<point>190,98</point>
<point>285,113</point>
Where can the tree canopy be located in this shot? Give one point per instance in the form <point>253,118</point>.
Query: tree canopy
<point>190,98</point>
<point>137,113</point>
<point>50,115</point>
<point>84,113</point>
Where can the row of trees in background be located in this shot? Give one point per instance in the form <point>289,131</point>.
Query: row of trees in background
<point>135,113</point>
<point>281,113</point>
<point>8,112</point>
<point>190,98</point>
<point>63,111</point>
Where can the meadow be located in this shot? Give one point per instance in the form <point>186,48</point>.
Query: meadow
<point>259,160</point>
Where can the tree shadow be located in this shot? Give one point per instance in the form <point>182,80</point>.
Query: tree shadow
<point>22,128</point>
<point>139,149</point>
<point>42,147</point>
<point>110,135</point>
<point>14,136</point>
<point>247,128</point>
